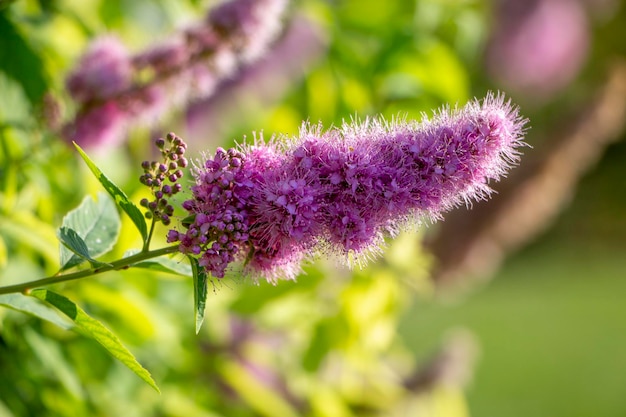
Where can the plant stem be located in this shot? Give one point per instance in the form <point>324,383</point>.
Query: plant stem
<point>116,265</point>
<point>146,245</point>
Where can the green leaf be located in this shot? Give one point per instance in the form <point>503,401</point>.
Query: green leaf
<point>200,290</point>
<point>4,411</point>
<point>19,62</point>
<point>162,264</point>
<point>90,327</point>
<point>25,229</point>
<point>4,254</point>
<point>76,244</point>
<point>28,305</point>
<point>15,108</point>
<point>188,221</point>
<point>329,332</point>
<point>260,397</point>
<point>53,361</point>
<point>97,224</point>
<point>118,195</point>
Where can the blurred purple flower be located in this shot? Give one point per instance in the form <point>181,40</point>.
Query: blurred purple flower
<point>344,189</point>
<point>249,24</point>
<point>103,71</point>
<point>538,47</point>
<point>257,86</point>
<point>98,125</point>
<point>186,67</point>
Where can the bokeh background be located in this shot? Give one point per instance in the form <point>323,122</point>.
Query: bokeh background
<point>513,307</point>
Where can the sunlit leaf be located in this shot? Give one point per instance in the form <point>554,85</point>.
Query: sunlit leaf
<point>28,230</point>
<point>3,253</point>
<point>29,305</point>
<point>4,411</point>
<point>90,327</point>
<point>14,105</point>
<point>329,333</point>
<point>257,394</point>
<point>328,402</point>
<point>96,223</point>
<point>129,308</point>
<point>118,195</point>
<point>200,290</point>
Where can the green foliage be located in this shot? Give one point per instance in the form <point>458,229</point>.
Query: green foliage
<point>76,244</point>
<point>28,305</point>
<point>89,231</point>
<point>96,330</point>
<point>326,345</point>
<point>20,62</point>
<point>118,195</point>
<point>200,290</point>
<point>163,264</point>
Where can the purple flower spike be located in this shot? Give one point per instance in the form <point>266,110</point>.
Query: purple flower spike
<point>186,67</point>
<point>250,24</point>
<point>344,189</point>
<point>104,70</point>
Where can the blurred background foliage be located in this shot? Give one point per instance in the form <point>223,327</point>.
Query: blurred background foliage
<point>394,338</point>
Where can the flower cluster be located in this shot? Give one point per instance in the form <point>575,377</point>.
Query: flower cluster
<point>343,190</point>
<point>220,219</point>
<point>162,177</point>
<point>114,88</point>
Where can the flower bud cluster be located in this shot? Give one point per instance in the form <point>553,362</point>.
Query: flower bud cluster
<point>345,189</point>
<point>115,89</point>
<point>219,227</point>
<point>162,178</point>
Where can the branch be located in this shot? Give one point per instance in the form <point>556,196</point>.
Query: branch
<point>113,266</point>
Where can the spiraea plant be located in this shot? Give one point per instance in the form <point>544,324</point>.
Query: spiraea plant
<point>265,207</point>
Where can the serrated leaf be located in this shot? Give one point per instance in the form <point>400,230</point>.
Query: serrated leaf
<point>91,327</point>
<point>200,291</point>
<point>162,264</point>
<point>118,195</point>
<point>96,223</point>
<point>76,244</point>
<point>28,305</point>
